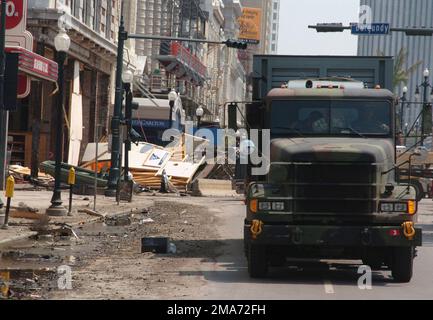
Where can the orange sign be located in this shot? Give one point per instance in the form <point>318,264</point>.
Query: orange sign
<point>250,25</point>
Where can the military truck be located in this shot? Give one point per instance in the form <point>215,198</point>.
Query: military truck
<point>330,190</point>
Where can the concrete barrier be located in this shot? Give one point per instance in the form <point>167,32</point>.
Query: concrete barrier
<point>213,188</point>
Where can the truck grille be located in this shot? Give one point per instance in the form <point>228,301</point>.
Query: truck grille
<point>334,188</point>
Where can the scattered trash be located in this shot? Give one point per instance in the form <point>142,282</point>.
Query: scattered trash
<point>154,244</point>
<point>92,213</point>
<point>45,237</point>
<point>145,221</point>
<point>118,221</point>
<point>172,248</point>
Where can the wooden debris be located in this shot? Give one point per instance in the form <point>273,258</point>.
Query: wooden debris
<point>92,213</point>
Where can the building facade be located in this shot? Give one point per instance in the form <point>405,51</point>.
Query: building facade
<point>205,75</point>
<point>275,23</point>
<point>89,74</point>
<point>401,13</point>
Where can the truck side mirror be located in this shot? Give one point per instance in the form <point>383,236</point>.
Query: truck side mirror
<point>255,115</point>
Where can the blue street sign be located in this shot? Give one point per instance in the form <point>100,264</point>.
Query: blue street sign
<point>370,29</point>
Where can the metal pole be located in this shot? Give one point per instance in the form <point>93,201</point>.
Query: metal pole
<point>145,37</point>
<point>115,121</point>
<point>128,119</point>
<point>403,100</point>
<point>4,115</point>
<point>425,85</point>
<point>96,166</point>
<point>56,208</point>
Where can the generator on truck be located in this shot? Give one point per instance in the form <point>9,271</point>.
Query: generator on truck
<point>330,189</point>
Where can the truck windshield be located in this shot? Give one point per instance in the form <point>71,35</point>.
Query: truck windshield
<point>331,118</point>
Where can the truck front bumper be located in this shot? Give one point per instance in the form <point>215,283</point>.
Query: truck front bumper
<point>335,236</point>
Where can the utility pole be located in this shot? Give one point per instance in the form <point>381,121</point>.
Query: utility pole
<point>115,121</point>
<point>425,85</point>
<point>4,115</point>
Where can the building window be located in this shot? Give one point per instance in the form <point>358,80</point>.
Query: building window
<point>274,47</point>
<point>102,27</point>
<point>274,27</point>
<point>103,11</point>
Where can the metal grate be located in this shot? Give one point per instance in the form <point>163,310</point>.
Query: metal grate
<point>334,188</point>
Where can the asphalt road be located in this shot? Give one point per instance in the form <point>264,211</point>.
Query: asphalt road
<point>228,277</point>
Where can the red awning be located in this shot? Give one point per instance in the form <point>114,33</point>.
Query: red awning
<point>35,65</point>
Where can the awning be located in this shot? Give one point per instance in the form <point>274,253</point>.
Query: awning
<point>35,65</point>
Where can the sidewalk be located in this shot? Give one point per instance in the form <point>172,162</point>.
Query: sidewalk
<point>21,228</point>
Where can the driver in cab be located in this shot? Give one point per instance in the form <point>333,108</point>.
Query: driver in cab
<point>370,121</point>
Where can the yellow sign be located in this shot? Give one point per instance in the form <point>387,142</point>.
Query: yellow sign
<point>10,186</point>
<point>71,177</point>
<point>250,25</point>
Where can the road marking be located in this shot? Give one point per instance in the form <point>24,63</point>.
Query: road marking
<point>329,288</point>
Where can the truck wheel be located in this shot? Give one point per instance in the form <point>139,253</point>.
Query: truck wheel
<point>402,264</point>
<point>257,261</point>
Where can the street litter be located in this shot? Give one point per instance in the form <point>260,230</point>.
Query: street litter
<point>144,221</point>
<point>172,248</point>
<point>154,244</point>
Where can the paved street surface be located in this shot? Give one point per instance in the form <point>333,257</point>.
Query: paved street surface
<point>209,263</point>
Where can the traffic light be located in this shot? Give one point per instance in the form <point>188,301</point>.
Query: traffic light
<point>238,44</point>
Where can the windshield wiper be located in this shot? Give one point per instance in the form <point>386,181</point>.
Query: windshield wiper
<point>353,131</point>
<point>293,130</point>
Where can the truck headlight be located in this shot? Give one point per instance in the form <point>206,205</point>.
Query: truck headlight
<point>278,206</point>
<point>387,207</point>
<point>265,206</point>
<point>398,207</point>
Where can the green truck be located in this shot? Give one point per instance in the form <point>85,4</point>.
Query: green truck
<point>329,191</point>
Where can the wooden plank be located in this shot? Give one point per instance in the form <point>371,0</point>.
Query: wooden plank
<point>26,214</point>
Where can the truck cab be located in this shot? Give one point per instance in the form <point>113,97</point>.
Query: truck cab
<point>330,191</point>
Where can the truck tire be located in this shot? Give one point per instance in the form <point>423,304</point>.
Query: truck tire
<point>257,261</point>
<point>402,264</point>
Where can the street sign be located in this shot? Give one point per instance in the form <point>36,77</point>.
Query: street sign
<point>370,29</point>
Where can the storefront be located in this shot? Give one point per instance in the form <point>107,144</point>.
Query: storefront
<point>153,118</point>
<point>34,71</point>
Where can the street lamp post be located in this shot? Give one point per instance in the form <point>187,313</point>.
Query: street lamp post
<point>172,96</point>
<point>115,121</point>
<point>425,85</point>
<point>127,79</point>
<point>62,43</point>
<point>403,101</point>
<point>199,112</point>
